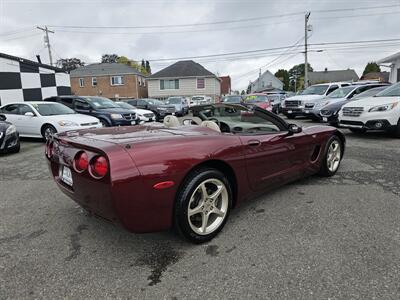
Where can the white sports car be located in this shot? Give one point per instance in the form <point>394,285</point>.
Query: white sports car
<point>41,119</point>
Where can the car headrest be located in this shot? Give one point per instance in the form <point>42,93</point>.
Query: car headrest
<point>210,124</point>
<point>171,121</point>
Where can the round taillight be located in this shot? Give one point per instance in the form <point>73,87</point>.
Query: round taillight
<point>99,167</point>
<point>49,149</point>
<point>81,161</point>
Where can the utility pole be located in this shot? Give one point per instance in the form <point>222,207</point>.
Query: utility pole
<point>47,41</point>
<point>307,16</point>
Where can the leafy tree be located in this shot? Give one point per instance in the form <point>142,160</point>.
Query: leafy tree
<point>148,68</point>
<point>243,92</point>
<point>299,70</point>
<point>283,75</point>
<point>371,67</point>
<point>248,90</point>
<point>69,64</point>
<point>134,64</point>
<point>109,58</point>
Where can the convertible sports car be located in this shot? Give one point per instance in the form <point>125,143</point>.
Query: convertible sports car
<point>188,176</point>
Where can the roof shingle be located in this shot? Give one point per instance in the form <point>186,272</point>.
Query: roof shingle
<point>332,76</point>
<point>184,68</point>
<point>103,69</point>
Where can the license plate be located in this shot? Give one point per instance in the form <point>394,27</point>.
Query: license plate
<point>307,111</point>
<point>325,119</point>
<point>289,111</point>
<point>133,123</point>
<point>66,175</point>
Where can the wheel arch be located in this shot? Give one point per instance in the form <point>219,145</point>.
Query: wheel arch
<point>44,125</point>
<point>342,139</point>
<point>221,166</point>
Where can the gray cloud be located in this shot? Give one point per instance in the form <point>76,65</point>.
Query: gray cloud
<point>266,33</point>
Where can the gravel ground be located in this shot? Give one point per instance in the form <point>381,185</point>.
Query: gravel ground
<point>318,238</point>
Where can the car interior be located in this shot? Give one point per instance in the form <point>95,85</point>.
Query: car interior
<point>229,119</point>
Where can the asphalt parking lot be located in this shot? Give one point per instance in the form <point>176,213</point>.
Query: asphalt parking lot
<point>317,238</point>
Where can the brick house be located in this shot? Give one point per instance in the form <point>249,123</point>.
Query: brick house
<point>110,80</point>
<point>184,78</point>
<point>225,85</point>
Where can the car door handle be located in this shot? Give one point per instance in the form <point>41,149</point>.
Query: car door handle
<point>254,143</point>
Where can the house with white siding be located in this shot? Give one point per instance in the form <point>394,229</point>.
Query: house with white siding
<point>265,82</point>
<point>184,78</point>
<point>392,62</point>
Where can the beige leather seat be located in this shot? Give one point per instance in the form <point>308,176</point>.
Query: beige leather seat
<point>210,124</point>
<point>171,121</point>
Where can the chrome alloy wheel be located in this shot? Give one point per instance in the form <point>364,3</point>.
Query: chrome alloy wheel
<point>208,206</point>
<point>334,156</point>
<point>48,132</point>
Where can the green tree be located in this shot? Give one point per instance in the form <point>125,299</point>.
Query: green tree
<point>109,58</point>
<point>283,75</point>
<point>298,72</point>
<point>148,68</point>
<point>130,62</point>
<point>371,67</point>
<point>243,92</point>
<point>69,64</point>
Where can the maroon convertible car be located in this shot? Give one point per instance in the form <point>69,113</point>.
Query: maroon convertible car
<point>190,175</point>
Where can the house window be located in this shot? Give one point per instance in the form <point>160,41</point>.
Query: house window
<point>117,80</point>
<point>169,84</point>
<point>140,80</point>
<point>94,81</point>
<point>201,84</point>
<point>81,82</point>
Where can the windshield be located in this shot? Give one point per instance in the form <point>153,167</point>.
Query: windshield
<point>231,99</point>
<point>341,92</point>
<point>239,120</point>
<point>256,98</point>
<point>315,90</point>
<point>197,98</point>
<point>124,105</point>
<point>52,109</point>
<point>391,91</point>
<point>370,93</point>
<point>101,103</point>
<point>173,101</point>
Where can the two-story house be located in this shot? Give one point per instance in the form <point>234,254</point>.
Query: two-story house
<point>265,82</point>
<point>111,80</point>
<point>184,78</point>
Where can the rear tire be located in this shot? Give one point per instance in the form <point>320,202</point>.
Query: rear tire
<point>48,130</point>
<point>332,157</point>
<point>396,131</point>
<point>202,205</point>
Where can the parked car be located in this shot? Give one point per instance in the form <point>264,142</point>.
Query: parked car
<point>276,101</point>
<point>43,119</point>
<point>151,178</point>
<point>181,106</point>
<point>102,108</point>
<point>329,113</point>
<point>380,112</point>
<point>341,94</point>
<point>144,115</point>
<point>159,108</point>
<point>200,100</point>
<point>259,99</point>
<point>301,105</point>
<point>9,136</point>
<point>234,99</point>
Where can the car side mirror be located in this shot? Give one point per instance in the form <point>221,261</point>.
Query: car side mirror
<point>293,129</point>
<point>3,117</point>
<point>29,114</point>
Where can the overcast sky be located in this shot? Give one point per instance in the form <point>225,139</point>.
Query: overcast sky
<point>277,24</point>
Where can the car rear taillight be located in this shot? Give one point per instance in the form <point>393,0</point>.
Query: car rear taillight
<point>49,149</point>
<point>81,162</point>
<point>99,167</point>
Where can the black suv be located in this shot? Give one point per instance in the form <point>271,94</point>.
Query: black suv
<point>159,108</point>
<point>109,113</point>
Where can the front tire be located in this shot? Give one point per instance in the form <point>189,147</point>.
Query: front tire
<point>48,130</point>
<point>333,156</point>
<point>203,205</point>
<point>396,131</point>
<point>104,123</point>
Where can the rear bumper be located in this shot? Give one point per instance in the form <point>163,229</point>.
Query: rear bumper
<point>121,197</point>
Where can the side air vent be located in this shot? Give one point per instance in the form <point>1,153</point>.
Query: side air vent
<point>315,153</point>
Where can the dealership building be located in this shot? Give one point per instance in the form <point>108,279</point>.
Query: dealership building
<point>26,80</point>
